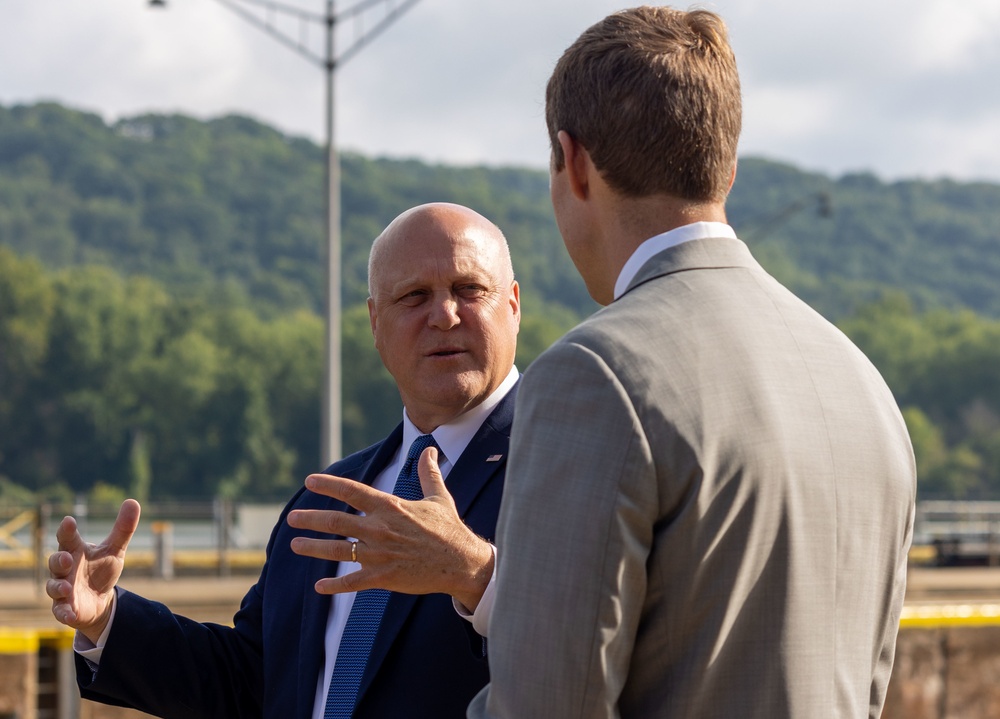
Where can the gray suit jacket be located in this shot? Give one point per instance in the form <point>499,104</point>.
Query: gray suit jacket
<point>707,513</point>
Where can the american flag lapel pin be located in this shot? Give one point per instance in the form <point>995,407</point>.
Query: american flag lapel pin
<point>494,458</point>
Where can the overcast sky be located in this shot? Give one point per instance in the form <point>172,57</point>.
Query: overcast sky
<point>904,89</point>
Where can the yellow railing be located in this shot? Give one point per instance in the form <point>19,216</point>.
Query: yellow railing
<point>28,641</point>
<point>929,616</point>
<point>12,526</point>
<point>924,616</point>
<point>143,559</point>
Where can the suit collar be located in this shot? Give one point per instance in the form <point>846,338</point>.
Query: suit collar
<point>708,253</point>
<point>454,437</point>
<point>665,240</point>
<point>485,456</point>
<point>383,455</point>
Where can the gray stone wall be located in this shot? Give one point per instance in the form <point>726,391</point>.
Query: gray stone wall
<point>945,673</point>
<point>950,672</point>
<point>18,685</point>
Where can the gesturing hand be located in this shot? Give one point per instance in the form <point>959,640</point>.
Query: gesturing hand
<point>83,576</point>
<point>416,547</point>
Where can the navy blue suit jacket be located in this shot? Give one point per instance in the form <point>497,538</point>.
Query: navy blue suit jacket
<point>426,660</point>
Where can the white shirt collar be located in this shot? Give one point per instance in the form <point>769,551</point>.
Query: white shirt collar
<point>454,437</point>
<point>655,245</point>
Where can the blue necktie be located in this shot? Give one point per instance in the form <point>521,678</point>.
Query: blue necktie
<point>366,613</point>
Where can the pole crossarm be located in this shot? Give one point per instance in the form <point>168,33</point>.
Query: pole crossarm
<point>821,200</point>
<point>394,13</point>
<point>266,24</point>
<point>289,10</point>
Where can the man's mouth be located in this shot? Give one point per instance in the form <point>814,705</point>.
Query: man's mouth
<point>446,352</point>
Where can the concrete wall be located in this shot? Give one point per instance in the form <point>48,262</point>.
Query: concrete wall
<point>18,675</point>
<point>950,672</point>
<point>940,672</point>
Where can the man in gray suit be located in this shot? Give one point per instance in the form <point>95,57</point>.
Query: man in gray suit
<point>710,491</point>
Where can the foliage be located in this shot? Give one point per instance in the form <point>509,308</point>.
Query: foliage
<point>109,382</point>
<point>14,494</point>
<point>944,367</point>
<point>838,243</point>
<point>164,397</point>
<point>237,206</point>
<point>160,280</point>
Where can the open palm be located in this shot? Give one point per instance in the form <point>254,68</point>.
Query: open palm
<point>83,575</point>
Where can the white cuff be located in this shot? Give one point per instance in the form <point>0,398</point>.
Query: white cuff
<point>481,617</point>
<point>86,648</point>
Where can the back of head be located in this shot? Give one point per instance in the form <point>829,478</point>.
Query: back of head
<point>653,94</point>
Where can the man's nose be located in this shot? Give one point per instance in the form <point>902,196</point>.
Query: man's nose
<point>444,312</point>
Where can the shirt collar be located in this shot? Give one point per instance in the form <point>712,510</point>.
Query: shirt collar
<point>452,438</point>
<point>659,243</point>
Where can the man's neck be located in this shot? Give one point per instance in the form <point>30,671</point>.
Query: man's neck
<point>632,221</point>
<point>638,219</point>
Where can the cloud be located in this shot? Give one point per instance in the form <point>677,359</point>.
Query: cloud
<point>953,36</point>
<point>898,88</point>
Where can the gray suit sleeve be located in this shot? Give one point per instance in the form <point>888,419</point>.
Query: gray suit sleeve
<point>882,669</point>
<point>575,530</point>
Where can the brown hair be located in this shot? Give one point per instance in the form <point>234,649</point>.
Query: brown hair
<point>653,94</point>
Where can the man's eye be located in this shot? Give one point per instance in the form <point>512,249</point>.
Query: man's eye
<point>471,291</point>
<point>411,299</point>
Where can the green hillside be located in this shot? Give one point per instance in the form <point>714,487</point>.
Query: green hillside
<point>237,206</point>
<point>840,241</point>
<point>160,280</point>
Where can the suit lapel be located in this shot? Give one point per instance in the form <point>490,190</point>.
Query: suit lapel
<point>315,612</point>
<point>315,606</point>
<point>483,458</point>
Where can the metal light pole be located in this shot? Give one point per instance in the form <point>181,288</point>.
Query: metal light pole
<point>331,427</point>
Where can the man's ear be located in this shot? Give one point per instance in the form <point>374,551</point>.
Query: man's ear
<point>577,165</point>
<point>372,315</point>
<point>732,177</point>
<point>515,301</point>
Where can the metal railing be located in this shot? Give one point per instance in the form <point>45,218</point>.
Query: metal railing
<point>193,537</point>
<point>961,533</point>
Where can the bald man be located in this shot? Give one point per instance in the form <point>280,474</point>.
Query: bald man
<point>445,312</point>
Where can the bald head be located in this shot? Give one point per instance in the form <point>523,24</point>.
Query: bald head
<point>447,220</point>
